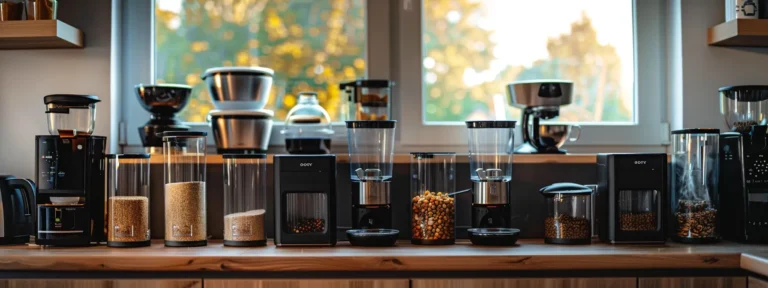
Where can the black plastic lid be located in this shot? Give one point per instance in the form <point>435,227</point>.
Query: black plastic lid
<point>427,155</point>
<point>565,188</point>
<point>163,85</point>
<point>71,99</point>
<point>244,156</point>
<point>743,87</point>
<point>127,156</point>
<point>491,124</point>
<point>745,93</point>
<point>368,83</point>
<point>378,124</point>
<point>697,131</point>
<point>182,134</point>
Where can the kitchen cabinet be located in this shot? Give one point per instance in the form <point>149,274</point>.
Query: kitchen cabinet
<point>317,283</point>
<point>693,282</point>
<point>100,283</point>
<point>527,283</point>
<point>756,283</point>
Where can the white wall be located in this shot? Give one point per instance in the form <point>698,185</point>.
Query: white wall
<point>28,75</point>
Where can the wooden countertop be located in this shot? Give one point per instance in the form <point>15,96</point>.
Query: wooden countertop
<point>460,158</point>
<point>531,254</point>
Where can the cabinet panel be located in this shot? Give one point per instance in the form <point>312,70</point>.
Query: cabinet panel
<point>693,282</point>
<point>757,283</point>
<point>318,283</point>
<point>527,283</point>
<point>98,283</point>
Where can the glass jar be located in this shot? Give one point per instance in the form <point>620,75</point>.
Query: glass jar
<point>184,176</point>
<point>569,214</point>
<point>71,115</point>
<point>308,127</point>
<point>491,145</point>
<point>433,208</point>
<point>128,202</point>
<point>368,99</point>
<point>371,148</point>
<point>637,210</point>
<point>695,166</point>
<point>245,188</point>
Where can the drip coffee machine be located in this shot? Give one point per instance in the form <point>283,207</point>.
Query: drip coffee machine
<point>371,148</point>
<point>541,100</point>
<point>743,157</point>
<point>163,101</point>
<point>490,163</point>
<point>70,174</point>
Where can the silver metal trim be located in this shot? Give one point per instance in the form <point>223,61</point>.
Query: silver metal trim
<point>374,193</point>
<point>61,232</point>
<point>490,192</point>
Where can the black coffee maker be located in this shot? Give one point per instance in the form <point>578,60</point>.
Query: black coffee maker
<point>17,210</point>
<point>163,101</point>
<point>744,164</point>
<point>70,174</point>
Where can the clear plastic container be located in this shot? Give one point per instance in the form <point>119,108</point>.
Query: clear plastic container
<point>308,127</point>
<point>306,213</point>
<point>368,99</point>
<point>744,106</point>
<point>637,210</point>
<point>569,214</point>
<point>184,177</point>
<point>128,202</point>
<point>371,147</point>
<point>71,115</point>
<point>433,208</point>
<point>245,188</point>
<point>695,164</point>
<point>491,145</point>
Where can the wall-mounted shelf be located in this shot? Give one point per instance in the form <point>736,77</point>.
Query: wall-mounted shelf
<point>739,32</point>
<point>39,34</point>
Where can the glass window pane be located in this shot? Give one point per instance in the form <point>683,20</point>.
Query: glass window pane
<point>473,49</point>
<point>312,45</point>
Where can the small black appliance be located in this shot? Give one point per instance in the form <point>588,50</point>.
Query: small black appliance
<point>163,101</point>
<point>305,200</point>
<point>17,204</point>
<point>631,197</point>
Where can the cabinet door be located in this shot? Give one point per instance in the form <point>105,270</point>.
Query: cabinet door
<point>693,282</point>
<point>757,283</point>
<point>318,283</point>
<point>527,283</point>
<point>98,283</point>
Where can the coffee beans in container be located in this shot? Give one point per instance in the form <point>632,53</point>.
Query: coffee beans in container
<point>128,200</point>
<point>569,214</point>
<point>433,209</point>
<point>433,217</point>
<point>184,176</point>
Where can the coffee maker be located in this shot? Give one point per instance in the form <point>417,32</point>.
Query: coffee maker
<point>70,174</point>
<point>163,101</point>
<point>743,158</point>
<point>541,100</point>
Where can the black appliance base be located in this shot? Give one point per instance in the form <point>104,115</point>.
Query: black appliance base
<point>169,243</point>
<point>568,241</point>
<point>494,238</point>
<point>376,238</point>
<point>14,240</point>
<point>433,242</point>
<point>119,244</point>
<point>239,151</point>
<point>256,243</point>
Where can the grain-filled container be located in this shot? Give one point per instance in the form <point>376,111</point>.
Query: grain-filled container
<point>128,200</point>
<point>695,171</point>
<point>433,210</point>
<point>245,187</point>
<point>184,176</point>
<point>569,214</point>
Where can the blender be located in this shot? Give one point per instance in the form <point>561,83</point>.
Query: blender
<point>371,148</point>
<point>541,100</point>
<point>491,145</point>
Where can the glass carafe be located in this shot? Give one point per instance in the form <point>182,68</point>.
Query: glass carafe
<point>308,127</point>
<point>491,146</point>
<point>371,147</point>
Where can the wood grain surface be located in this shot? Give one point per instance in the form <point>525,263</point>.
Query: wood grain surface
<point>318,283</point>
<point>39,34</point>
<point>753,282</point>
<point>460,158</point>
<point>527,283</point>
<point>693,282</point>
<point>530,255</point>
<point>739,32</point>
<point>117,283</point>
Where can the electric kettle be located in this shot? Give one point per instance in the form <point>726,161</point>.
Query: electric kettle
<point>17,203</point>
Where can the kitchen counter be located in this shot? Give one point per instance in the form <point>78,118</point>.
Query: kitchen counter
<point>530,255</point>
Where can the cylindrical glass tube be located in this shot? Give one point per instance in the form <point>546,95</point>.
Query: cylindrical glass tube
<point>245,188</point>
<point>433,209</point>
<point>128,200</point>
<point>184,174</point>
<point>371,147</point>
<point>695,166</point>
<point>491,146</point>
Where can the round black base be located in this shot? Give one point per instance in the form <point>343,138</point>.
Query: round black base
<point>169,243</point>
<point>493,240</point>
<point>433,242</point>
<point>374,238</point>
<point>686,240</point>
<point>117,244</point>
<point>567,241</point>
<point>257,243</point>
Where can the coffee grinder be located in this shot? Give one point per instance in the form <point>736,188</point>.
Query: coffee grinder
<point>743,161</point>
<point>70,174</point>
<point>371,148</point>
<point>163,101</point>
<point>491,145</point>
<point>541,100</point>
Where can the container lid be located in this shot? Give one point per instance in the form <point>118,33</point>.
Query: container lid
<point>565,188</point>
<point>244,156</point>
<point>377,124</point>
<point>368,83</point>
<point>183,134</point>
<point>745,93</point>
<point>163,85</point>
<point>427,155</point>
<point>697,131</point>
<point>491,124</point>
<point>71,99</point>
<point>254,70</point>
<point>127,156</point>
<point>250,114</point>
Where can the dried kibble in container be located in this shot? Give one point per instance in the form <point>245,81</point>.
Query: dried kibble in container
<point>433,216</point>
<point>244,226</point>
<point>566,227</point>
<point>185,211</point>
<point>129,219</point>
<point>641,221</point>
<point>695,219</point>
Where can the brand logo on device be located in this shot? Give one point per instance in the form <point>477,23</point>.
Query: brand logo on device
<point>305,164</point>
<point>640,162</point>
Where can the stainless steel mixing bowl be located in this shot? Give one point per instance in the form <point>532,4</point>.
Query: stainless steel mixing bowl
<point>540,93</point>
<point>744,106</point>
<point>241,131</point>
<point>239,88</point>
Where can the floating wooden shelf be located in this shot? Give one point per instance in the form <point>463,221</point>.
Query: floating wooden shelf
<point>39,34</point>
<point>740,32</point>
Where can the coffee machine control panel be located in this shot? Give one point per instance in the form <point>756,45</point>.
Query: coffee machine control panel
<point>756,170</point>
<point>61,165</point>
